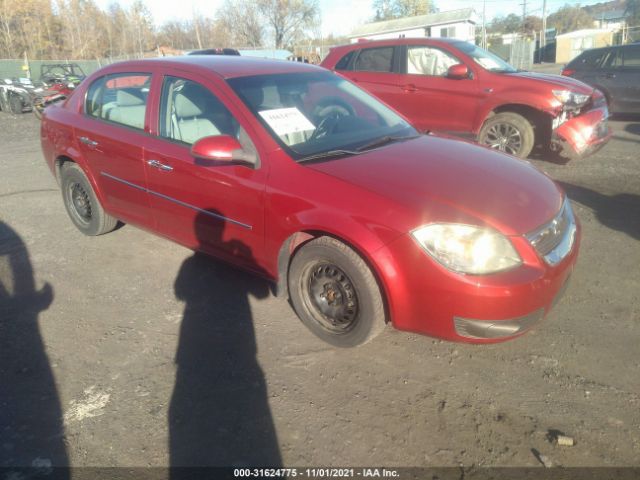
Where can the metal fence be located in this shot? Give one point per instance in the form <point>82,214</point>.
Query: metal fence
<point>519,53</point>
<point>31,68</point>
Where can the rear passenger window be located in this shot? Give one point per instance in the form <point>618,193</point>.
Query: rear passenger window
<point>589,60</point>
<point>344,63</point>
<point>375,60</point>
<point>120,99</point>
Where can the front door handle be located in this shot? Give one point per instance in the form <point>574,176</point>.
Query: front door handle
<point>409,88</point>
<point>159,165</point>
<point>88,142</point>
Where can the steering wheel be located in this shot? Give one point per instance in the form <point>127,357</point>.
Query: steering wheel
<point>326,126</point>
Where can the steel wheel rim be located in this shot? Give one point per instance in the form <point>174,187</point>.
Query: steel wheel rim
<point>504,137</point>
<point>331,297</point>
<point>80,202</point>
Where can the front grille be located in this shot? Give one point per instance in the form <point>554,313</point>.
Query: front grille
<point>553,241</point>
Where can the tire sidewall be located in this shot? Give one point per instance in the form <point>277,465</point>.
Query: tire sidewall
<point>517,121</point>
<point>72,173</point>
<point>369,302</point>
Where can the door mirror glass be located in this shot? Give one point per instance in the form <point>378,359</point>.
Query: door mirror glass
<point>221,149</point>
<point>458,71</point>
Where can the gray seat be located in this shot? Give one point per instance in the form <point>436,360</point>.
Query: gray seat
<point>190,105</point>
<point>129,108</point>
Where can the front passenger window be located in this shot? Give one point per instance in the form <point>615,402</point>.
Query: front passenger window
<point>189,112</point>
<point>429,61</point>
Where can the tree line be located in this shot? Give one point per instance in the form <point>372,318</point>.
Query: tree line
<point>79,29</point>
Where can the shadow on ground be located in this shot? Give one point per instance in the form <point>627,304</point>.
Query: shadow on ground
<point>219,414</point>
<point>31,426</point>
<point>618,212</point>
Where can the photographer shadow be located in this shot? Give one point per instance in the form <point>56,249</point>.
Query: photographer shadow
<point>31,426</point>
<point>219,413</point>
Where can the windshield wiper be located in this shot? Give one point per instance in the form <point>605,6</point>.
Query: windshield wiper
<point>328,154</point>
<point>378,142</point>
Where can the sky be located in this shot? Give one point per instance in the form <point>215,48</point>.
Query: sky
<point>339,17</point>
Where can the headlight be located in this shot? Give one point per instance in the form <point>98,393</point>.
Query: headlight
<point>567,97</point>
<point>467,249</point>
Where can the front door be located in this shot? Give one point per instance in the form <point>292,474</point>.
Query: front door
<point>211,207</point>
<point>432,100</point>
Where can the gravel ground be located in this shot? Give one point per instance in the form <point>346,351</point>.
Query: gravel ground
<point>118,350</point>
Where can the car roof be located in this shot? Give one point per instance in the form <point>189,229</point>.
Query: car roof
<point>226,66</point>
<point>399,41</point>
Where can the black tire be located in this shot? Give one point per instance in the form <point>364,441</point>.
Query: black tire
<point>15,104</point>
<point>335,294</point>
<point>81,202</point>
<point>508,132</point>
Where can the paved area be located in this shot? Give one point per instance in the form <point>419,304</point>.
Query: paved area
<point>128,350</point>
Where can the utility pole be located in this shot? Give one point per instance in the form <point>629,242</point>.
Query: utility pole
<point>524,15</point>
<point>543,38</point>
<point>484,25</point>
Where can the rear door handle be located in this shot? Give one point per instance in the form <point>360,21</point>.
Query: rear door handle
<point>88,142</point>
<point>409,88</point>
<point>159,165</point>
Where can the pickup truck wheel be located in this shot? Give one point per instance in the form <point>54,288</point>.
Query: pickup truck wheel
<point>508,132</point>
<point>81,202</point>
<point>335,294</point>
<point>15,104</point>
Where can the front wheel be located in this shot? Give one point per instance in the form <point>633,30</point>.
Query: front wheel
<point>335,294</point>
<point>508,132</point>
<point>81,202</point>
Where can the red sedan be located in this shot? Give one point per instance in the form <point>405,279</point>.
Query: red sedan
<point>294,173</point>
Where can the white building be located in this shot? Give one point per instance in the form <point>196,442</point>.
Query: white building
<point>459,24</point>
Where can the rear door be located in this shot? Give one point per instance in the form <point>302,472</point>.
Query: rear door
<point>377,70</point>
<point>624,79</point>
<point>213,207</point>
<point>111,137</point>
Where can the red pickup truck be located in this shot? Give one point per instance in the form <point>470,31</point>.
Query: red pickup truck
<point>456,87</point>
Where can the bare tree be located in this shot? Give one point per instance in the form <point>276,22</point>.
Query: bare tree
<point>241,22</point>
<point>288,20</point>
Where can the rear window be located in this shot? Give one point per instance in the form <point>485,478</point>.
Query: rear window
<point>631,56</point>
<point>375,60</point>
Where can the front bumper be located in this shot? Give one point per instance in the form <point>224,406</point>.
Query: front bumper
<point>582,135</point>
<point>426,298</point>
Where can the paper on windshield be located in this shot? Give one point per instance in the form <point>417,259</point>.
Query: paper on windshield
<point>284,121</point>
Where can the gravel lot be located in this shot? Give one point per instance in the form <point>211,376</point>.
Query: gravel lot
<point>129,350</point>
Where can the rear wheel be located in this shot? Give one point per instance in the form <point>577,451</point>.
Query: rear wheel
<point>81,202</point>
<point>508,132</point>
<point>335,294</point>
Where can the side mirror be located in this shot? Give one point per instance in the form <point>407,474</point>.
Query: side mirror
<point>458,71</point>
<point>221,149</point>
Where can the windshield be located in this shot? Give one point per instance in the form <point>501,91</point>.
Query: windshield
<point>317,113</point>
<point>486,60</point>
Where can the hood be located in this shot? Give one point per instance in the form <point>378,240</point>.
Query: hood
<point>476,183</point>
<point>566,83</point>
